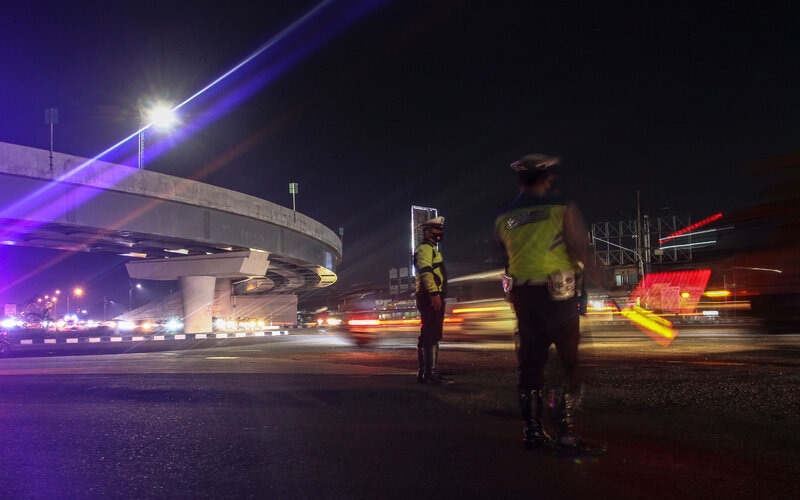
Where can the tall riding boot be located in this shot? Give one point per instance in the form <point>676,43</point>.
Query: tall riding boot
<point>427,356</point>
<point>567,438</point>
<point>530,405</point>
<point>421,360</point>
<point>435,368</point>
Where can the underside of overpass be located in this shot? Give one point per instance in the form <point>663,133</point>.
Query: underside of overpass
<point>171,228</point>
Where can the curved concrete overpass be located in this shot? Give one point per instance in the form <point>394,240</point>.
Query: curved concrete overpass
<point>173,228</point>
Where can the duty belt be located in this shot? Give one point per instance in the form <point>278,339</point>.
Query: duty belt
<point>530,283</point>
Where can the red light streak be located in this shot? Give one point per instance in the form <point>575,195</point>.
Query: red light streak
<point>692,227</point>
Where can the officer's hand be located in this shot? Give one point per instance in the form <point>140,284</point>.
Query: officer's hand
<point>436,302</point>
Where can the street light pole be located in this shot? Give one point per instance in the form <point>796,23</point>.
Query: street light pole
<point>293,190</point>
<point>130,295</point>
<point>639,243</point>
<point>51,118</point>
<point>141,149</point>
<point>78,292</point>
<point>160,116</point>
<point>142,127</point>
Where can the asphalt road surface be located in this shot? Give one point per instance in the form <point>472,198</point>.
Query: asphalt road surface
<point>313,415</point>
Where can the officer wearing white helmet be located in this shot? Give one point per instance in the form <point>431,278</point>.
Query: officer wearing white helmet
<point>546,246</point>
<point>431,292</point>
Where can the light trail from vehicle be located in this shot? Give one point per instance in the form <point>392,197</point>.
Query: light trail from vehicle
<point>687,231</point>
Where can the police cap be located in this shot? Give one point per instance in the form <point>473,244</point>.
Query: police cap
<point>435,223</point>
<point>535,162</point>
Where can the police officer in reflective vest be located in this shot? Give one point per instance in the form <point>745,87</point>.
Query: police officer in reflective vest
<point>431,281</point>
<point>546,244</point>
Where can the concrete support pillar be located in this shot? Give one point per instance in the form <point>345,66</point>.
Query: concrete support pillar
<point>223,302</point>
<point>198,303</point>
<point>198,275</point>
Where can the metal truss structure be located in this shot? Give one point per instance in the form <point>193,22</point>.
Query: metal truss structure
<point>636,242</point>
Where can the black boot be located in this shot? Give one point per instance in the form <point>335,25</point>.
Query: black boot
<point>421,360</point>
<point>431,374</point>
<point>435,368</point>
<point>530,405</point>
<point>568,440</point>
<point>427,359</point>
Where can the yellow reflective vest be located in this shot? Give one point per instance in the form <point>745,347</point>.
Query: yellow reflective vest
<point>431,275</point>
<point>531,229</point>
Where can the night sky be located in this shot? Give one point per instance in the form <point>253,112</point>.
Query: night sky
<point>374,106</point>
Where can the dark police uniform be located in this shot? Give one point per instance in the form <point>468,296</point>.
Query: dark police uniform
<point>544,270</point>
<point>531,230</point>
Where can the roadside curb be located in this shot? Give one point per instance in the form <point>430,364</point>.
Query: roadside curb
<point>146,338</point>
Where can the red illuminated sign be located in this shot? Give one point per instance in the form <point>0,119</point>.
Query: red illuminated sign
<point>659,294</point>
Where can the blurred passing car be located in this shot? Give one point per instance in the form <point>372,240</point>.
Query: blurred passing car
<point>366,316</point>
<point>328,320</point>
<point>476,305</point>
<point>476,308</point>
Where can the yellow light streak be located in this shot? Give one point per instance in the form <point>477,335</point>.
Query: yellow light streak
<point>651,323</point>
<point>468,310</point>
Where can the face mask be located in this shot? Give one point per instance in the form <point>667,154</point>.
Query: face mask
<point>437,237</point>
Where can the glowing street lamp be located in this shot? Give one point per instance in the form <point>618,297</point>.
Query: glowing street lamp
<point>77,292</point>
<point>161,116</point>
<point>130,295</point>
